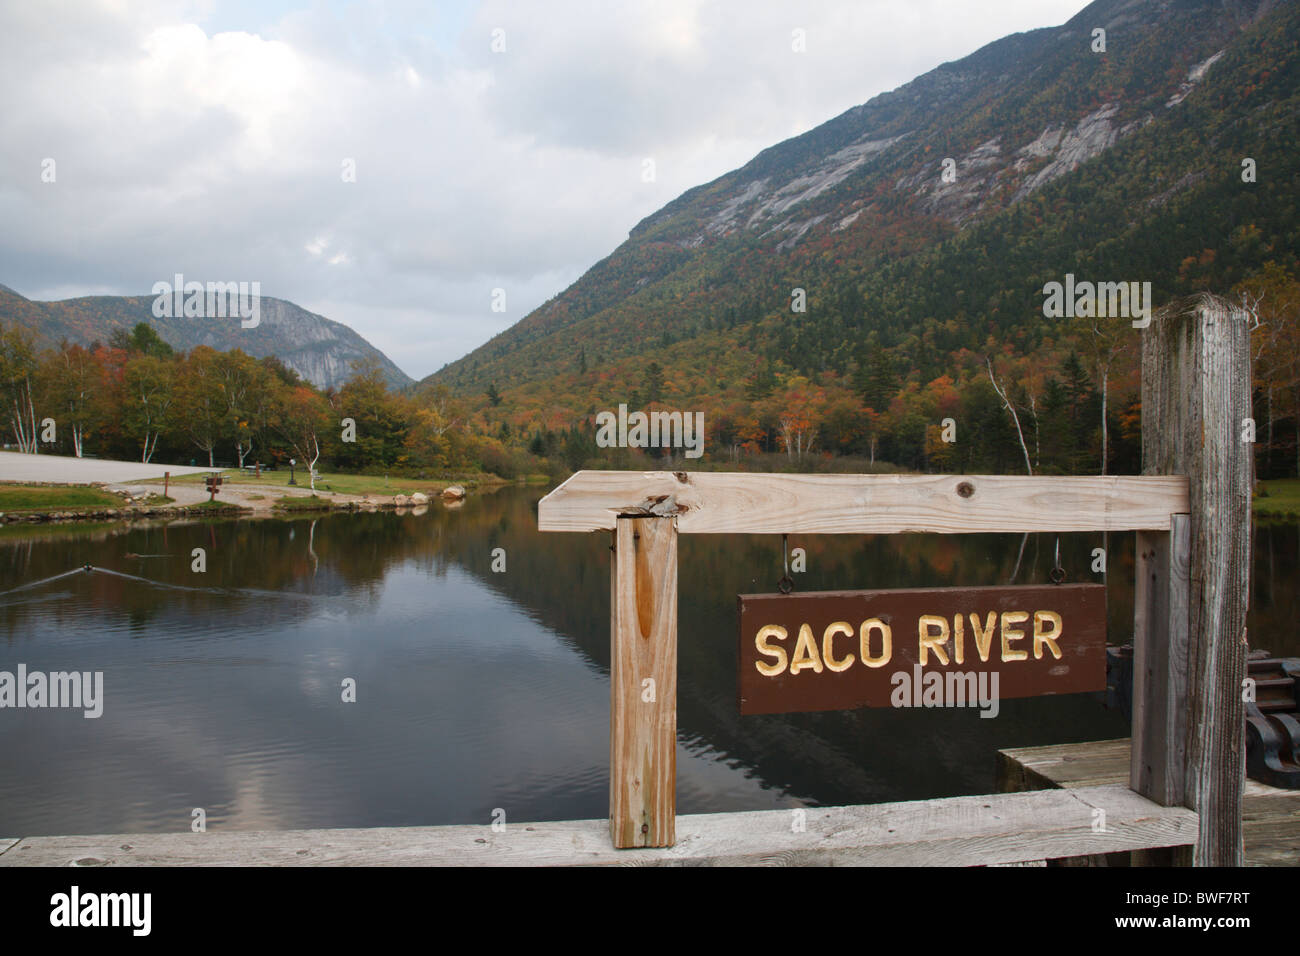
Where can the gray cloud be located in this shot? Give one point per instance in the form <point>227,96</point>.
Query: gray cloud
<point>185,145</point>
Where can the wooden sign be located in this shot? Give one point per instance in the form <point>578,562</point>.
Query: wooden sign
<point>835,650</point>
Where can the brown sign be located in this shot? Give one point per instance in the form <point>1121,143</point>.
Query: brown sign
<point>835,650</point>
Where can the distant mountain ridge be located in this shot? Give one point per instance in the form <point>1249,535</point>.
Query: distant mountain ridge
<point>1122,164</point>
<point>321,350</point>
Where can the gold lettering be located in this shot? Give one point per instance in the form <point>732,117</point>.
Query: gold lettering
<point>958,639</point>
<point>1042,637</point>
<point>1010,634</point>
<point>930,642</point>
<point>886,642</point>
<point>828,652</point>
<point>805,652</point>
<point>984,636</point>
<point>760,642</point>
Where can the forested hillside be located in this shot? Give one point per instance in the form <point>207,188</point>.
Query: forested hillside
<point>847,290</point>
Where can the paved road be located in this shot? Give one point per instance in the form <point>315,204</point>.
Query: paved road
<point>81,471</point>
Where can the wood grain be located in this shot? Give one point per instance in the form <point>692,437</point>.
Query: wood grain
<point>729,503</point>
<point>1270,815</point>
<point>1196,395</point>
<point>1160,687</point>
<point>1095,763</point>
<point>957,831</point>
<point>643,636</point>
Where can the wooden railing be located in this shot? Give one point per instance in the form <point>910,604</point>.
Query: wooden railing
<point>1191,512</point>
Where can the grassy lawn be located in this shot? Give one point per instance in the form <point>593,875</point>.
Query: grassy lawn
<point>295,503</point>
<point>334,482</point>
<point>217,505</point>
<point>55,498</point>
<point>1278,497</point>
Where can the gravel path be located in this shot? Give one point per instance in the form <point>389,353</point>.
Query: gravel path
<point>119,476</point>
<point>58,469</point>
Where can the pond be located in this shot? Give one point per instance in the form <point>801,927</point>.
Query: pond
<point>475,690</point>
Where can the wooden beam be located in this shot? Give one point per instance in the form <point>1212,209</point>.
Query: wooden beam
<point>1160,676</point>
<point>731,503</point>
<point>1096,763</point>
<point>1103,763</point>
<point>1270,815</point>
<point>1196,398</point>
<point>956,831</point>
<point>643,684</point>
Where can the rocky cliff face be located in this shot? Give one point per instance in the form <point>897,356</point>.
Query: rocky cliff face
<point>901,141</point>
<point>319,349</point>
<point>1129,123</point>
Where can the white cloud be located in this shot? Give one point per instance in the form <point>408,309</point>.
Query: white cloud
<point>183,145</point>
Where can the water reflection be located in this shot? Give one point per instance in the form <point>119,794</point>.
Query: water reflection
<point>475,690</point>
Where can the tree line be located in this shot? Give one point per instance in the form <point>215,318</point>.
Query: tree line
<point>1070,406</point>
<point>137,398</point>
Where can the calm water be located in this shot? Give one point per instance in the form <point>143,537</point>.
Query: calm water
<point>475,690</point>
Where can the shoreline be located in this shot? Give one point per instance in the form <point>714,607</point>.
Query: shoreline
<point>250,501</point>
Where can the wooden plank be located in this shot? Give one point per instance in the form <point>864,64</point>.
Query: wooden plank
<point>1270,815</point>
<point>1098,763</point>
<point>1196,396</point>
<point>1271,830</point>
<point>957,831</point>
<point>6,843</point>
<point>643,684</point>
<point>730,503</point>
<point>1160,689</point>
<point>1024,863</point>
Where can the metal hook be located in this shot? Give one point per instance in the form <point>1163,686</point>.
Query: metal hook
<point>786,584</point>
<point>1057,574</point>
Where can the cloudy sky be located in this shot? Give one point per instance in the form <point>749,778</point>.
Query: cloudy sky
<point>494,144</point>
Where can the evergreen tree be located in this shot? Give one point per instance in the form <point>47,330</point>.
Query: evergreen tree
<point>876,381</point>
<point>654,383</point>
<point>761,383</point>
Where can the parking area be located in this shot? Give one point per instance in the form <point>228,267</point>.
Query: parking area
<point>58,469</point>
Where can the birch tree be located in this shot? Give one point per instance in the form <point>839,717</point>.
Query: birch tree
<point>149,386</point>
<point>302,416</point>
<point>17,365</point>
<point>1015,418</point>
<point>70,384</point>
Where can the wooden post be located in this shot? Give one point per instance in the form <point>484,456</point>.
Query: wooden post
<point>1159,753</point>
<point>1190,650</point>
<point>643,684</point>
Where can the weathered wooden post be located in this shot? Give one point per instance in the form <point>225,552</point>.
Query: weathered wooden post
<point>643,683</point>
<point>1193,581</point>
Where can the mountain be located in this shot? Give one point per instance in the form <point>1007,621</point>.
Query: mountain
<point>319,349</point>
<point>1122,164</point>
